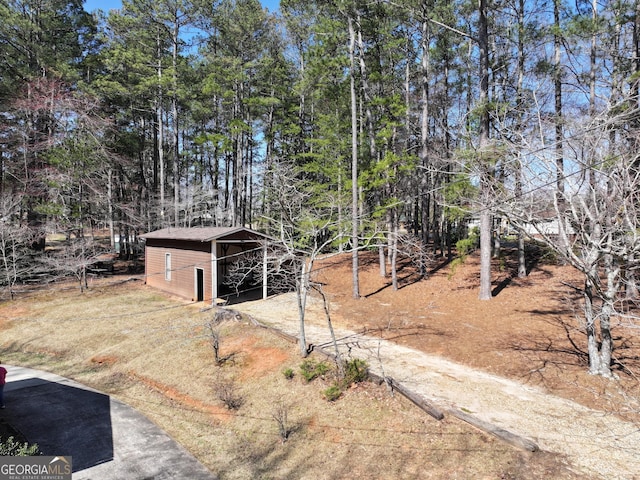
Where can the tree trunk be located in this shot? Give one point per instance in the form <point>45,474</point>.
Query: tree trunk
<point>327,313</point>
<point>522,256</point>
<point>301,295</point>
<point>599,347</point>
<point>354,164</point>
<point>485,255</point>
<point>366,94</point>
<point>559,127</point>
<point>522,259</point>
<point>394,254</point>
<point>112,237</point>
<point>176,131</point>
<point>160,122</point>
<point>425,194</point>
<point>630,280</point>
<point>485,216</point>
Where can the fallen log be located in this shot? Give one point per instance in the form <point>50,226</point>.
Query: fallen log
<point>504,435</point>
<point>416,399</point>
<point>275,331</point>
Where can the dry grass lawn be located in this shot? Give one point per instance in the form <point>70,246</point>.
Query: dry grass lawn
<point>152,352</point>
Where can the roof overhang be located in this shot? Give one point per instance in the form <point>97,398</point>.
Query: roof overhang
<point>208,234</point>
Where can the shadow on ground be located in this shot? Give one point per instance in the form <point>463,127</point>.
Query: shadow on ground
<point>63,420</point>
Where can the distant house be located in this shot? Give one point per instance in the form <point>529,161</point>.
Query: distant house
<point>542,227</point>
<point>192,262</point>
<point>547,228</point>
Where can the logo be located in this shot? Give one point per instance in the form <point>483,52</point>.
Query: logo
<point>35,468</point>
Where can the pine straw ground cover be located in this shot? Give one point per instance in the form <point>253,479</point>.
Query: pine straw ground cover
<point>153,353</point>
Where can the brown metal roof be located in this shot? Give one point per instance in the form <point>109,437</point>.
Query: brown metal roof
<point>200,234</point>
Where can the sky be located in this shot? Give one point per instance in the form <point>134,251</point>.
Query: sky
<point>107,5</point>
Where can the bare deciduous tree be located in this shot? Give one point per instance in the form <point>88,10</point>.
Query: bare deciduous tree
<point>593,224</point>
<point>308,226</point>
<point>74,259</point>
<point>228,392</point>
<point>280,415</point>
<point>211,330</point>
<point>15,241</point>
<point>213,334</point>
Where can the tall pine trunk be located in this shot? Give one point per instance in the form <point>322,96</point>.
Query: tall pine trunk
<point>485,175</point>
<point>160,129</point>
<point>559,127</point>
<point>354,164</point>
<point>520,103</point>
<point>176,131</point>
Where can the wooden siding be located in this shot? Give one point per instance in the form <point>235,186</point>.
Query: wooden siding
<point>191,253</point>
<point>183,265</point>
<point>180,244</point>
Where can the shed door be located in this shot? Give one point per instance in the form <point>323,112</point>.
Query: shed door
<point>199,285</point>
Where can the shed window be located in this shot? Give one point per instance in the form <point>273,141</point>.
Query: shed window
<point>167,266</point>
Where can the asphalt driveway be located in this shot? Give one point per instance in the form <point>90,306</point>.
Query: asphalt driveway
<point>106,439</point>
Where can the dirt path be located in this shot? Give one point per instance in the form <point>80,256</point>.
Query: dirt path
<point>594,442</point>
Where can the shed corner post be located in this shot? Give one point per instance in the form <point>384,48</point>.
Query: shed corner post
<point>214,271</point>
<point>264,271</point>
<point>146,263</point>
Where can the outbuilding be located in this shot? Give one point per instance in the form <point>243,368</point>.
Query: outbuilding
<point>192,262</point>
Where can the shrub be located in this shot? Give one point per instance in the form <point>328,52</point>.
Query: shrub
<point>307,370</point>
<point>502,263</point>
<point>464,247</point>
<point>310,369</point>
<point>288,373</point>
<point>355,371</point>
<point>467,245</point>
<point>13,448</point>
<point>322,368</point>
<point>453,265</point>
<point>332,393</point>
<point>228,393</point>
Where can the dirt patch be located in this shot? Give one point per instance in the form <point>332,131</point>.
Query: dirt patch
<point>103,360</point>
<point>173,394</point>
<point>257,359</point>
<point>10,310</point>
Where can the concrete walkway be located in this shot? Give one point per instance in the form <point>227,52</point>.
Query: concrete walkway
<point>597,442</point>
<point>106,439</point>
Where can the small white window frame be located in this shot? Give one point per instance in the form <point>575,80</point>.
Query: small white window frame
<point>167,267</point>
